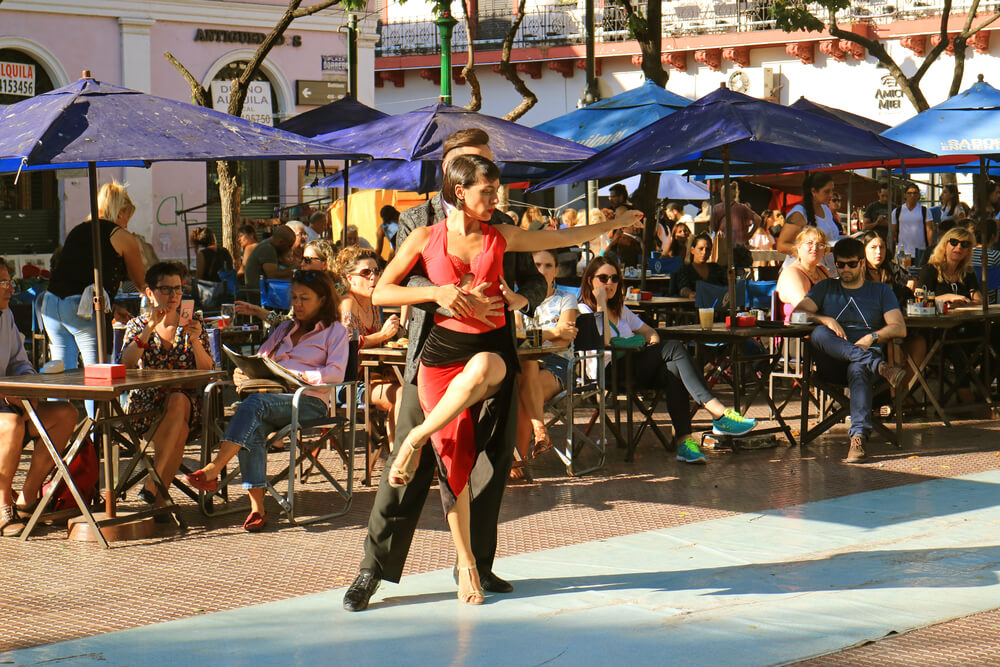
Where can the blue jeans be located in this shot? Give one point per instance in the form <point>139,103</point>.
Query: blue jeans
<point>258,415</point>
<point>69,334</point>
<point>840,361</point>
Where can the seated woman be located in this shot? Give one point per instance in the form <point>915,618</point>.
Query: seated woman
<point>157,340</point>
<point>697,267</point>
<point>949,274</point>
<point>542,379</point>
<point>357,268</point>
<point>313,346</point>
<point>679,235</point>
<point>797,278</point>
<point>211,259</point>
<point>465,360</point>
<point>660,363</point>
<point>246,236</point>
<point>318,255</point>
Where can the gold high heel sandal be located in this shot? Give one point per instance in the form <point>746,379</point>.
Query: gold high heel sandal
<point>401,474</point>
<point>473,596</point>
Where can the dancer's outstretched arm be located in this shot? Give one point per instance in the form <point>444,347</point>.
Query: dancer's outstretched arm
<point>522,240</point>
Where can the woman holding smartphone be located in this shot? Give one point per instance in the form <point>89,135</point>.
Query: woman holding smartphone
<point>161,340</point>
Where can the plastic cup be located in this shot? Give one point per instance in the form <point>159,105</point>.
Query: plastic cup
<point>707,317</point>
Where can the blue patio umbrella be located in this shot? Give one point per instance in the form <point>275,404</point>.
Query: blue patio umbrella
<point>860,122</point>
<point>726,126</point>
<point>420,176</point>
<point>343,113</point>
<point>605,122</point>
<point>418,135</point>
<point>672,186</point>
<point>90,124</point>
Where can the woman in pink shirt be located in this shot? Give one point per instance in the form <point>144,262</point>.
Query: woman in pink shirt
<point>314,347</point>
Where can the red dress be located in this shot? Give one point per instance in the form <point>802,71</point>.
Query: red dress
<point>451,343</point>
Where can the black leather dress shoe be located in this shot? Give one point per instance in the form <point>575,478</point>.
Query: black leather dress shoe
<point>364,586</point>
<point>489,581</point>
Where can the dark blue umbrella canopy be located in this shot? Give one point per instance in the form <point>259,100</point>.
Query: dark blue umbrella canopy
<point>608,121</point>
<point>968,123</point>
<point>420,176</point>
<point>343,113</point>
<point>860,122</point>
<point>754,131</point>
<point>418,135</point>
<point>94,122</point>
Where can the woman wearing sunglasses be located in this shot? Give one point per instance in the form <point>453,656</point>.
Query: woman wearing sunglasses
<point>314,347</point>
<point>357,269</point>
<point>463,359</point>
<point>157,340</point>
<point>949,274</point>
<point>660,363</point>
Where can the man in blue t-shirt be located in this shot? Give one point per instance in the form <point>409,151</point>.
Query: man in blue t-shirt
<point>857,317</point>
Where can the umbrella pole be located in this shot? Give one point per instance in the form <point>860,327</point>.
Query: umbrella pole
<point>729,235</point>
<point>984,273</point>
<point>95,241</point>
<point>347,197</point>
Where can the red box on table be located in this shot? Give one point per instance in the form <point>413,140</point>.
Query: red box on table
<point>104,372</point>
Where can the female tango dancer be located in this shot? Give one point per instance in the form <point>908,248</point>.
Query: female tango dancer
<point>465,360</point>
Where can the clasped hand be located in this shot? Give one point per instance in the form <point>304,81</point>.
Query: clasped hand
<point>470,303</point>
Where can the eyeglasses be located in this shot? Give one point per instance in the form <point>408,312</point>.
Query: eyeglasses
<point>850,264</point>
<point>303,235</point>
<point>167,290</point>
<point>6,284</point>
<point>306,275</point>
<point>819,245</point>
<point>367,273</point>
<point>604,278</point>
<point>954,243</point>
<point>913,193</point>
<point>836,200</point>
<point>309,260</point>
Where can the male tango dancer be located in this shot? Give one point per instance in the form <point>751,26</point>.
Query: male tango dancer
<point>393,519</point>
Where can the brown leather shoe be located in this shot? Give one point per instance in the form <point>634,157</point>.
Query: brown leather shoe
<point>894,375</point>
<point>856,454</point>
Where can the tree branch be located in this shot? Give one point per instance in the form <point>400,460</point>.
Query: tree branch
<point>936,52</point>
<point>469,71</point>
<point>318,7</point>
<point>198,93</point>
<point>528,98</point>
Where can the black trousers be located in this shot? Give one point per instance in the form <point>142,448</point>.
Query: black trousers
<point>394,517</point>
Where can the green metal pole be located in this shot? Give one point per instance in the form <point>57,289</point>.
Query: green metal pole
<point>446,23</point>
<point>352,56</point>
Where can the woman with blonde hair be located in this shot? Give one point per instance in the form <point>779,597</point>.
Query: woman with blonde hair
<point>67,312</point>
<point>357,269</point>
<point>570,218</point>
<point>532,218</point>
<point>797,278</point>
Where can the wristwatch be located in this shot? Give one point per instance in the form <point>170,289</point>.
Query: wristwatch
<point>874,335</point>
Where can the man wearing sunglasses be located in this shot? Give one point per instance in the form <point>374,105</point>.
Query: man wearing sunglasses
<point>856,318</point>
<point>394,516</point>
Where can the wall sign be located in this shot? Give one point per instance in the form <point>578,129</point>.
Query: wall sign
<point>17,79</point>
<point>333,63</point>
<point>242,37</point>
<point>889,95</point>
<point>256,108</point>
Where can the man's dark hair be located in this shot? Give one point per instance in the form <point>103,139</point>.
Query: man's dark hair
<point>673,206</point>
<point>317,216</point>
<point>282,236</point>
<point>163,269</point>
<point>849,248</point>
<point>466,170</point>
<point>472,136</point>
<point>388,213</point>
<point>986,229</point>
<point>620,190</point>
<point>883,186</point>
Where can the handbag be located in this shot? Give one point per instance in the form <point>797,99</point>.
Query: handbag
<point>633,342</point>
<point>85,473</point>
<point>210,295</point>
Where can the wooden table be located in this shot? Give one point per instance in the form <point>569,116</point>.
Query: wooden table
<point>375,358</point>
<point>106,394</point>
<point>656,282</point>
<point>736,338</point>
<point>940,328</point>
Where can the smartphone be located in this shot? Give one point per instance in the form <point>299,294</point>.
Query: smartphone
<point>187,311</point>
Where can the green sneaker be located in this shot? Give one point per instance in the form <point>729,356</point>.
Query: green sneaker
<point>688,451</point>
<point>733,423</point>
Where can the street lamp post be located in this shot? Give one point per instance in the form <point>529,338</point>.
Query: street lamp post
<point>446,24</point>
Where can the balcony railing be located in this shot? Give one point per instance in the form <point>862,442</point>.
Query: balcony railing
<point>563,24</point>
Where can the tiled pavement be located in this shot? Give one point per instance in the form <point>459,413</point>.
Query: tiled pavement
<point>60,590</point>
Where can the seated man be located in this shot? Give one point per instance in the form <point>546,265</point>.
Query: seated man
<point>857,317</point>
<point>15,428</point>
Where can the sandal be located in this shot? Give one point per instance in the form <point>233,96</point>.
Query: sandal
<point>10,521</point>
<point>400,474</point>
<point>255,523</point>
<point>543,442</point>
<point>473,596</point>
<point>517,471</point>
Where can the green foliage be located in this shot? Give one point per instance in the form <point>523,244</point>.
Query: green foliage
<point>637,24</point>
<point>357,5</point>
<point>793,15</point>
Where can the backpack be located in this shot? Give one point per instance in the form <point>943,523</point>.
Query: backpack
<point>923,217</point>
<point>85,473</point>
